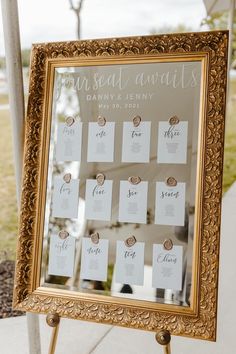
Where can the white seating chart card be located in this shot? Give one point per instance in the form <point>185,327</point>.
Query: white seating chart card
<point>172,143</point>
<point>69,140</point>
<point>101,142</point>
<point>98,199</point>
<point>129,263</point>
<point>65,198</point>
<point>61,256</point>
<point>133,202</point>
<point>167,267</point>
<point>170,204</point>
<point>136,142</point>
<point>94,259</point>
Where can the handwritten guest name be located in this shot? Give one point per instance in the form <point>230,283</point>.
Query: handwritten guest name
<point>101,134</point>
<point>169,195</point>
<point>171,133</point>
<point>136,134</point>
<point>68,131</point>
<point>65,189</point>
<point>94,250</point>
<point>98,191</point>
<point>62,246</point>
<point>132,193</point>
<point>167,258</point>
<point>130,254</point>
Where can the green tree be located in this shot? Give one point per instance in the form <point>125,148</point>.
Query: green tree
<point>219,21</point>
<point>180,28</point>
<point>2,63</point>
<point>25,56</point>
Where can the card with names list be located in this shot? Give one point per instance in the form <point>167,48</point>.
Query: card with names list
<point>101,142</point>
<point>136,142</point>
<point>133,202</point>
<point>98,200</point>
<point>129,263</point>
<point>94,259</point>
<point>65,199</point>
<point>69,141</point>
<point>172,143</point>
<point>167,267</point>
<point>61,256</point>
<point>170,204</point>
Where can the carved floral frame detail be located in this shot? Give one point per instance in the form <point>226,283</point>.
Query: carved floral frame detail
<point>202,324</point>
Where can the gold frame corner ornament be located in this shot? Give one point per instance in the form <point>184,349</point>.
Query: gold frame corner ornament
<point>200,320</point>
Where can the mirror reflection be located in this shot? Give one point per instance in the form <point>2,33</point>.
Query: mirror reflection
<point>121,185</point>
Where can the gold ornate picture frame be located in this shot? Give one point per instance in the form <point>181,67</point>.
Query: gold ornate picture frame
<point>33,293</point>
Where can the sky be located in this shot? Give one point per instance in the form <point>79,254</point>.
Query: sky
<point>52,20</point>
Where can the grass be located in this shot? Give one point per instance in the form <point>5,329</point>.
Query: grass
<point>230,141</point>
<point>8,210</point>
<point>3,99</point>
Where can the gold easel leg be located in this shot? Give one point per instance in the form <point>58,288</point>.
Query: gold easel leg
<point>163,338</point>
<point>53,320</point>
<point>167,349</point>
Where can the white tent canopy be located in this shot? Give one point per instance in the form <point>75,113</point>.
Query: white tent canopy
<point>213,6</point>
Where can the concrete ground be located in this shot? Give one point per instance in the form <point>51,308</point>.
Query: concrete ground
<point>76,337</point>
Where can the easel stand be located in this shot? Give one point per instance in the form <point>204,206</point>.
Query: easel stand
<point>17,113</point>
<point>53,320</point>
<point>163,337</point>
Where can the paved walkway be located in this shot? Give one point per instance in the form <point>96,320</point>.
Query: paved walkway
<point>76,337</point>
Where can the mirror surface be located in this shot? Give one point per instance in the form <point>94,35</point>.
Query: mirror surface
<point>156,92</point>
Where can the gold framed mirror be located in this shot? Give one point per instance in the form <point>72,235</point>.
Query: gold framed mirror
<point>120,211</point>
